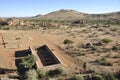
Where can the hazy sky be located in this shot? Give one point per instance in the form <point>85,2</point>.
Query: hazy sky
<point>20,8</point>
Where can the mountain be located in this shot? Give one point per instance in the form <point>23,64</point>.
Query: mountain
<point>39,15</point>
<point>76,15</point>
<point>64,15</point>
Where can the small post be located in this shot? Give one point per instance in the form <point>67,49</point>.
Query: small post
<point>85,66</point>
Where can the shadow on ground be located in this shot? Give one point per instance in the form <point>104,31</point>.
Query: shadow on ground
<point>19,55</point>
<point>46,56</point>
<point>5,71</point>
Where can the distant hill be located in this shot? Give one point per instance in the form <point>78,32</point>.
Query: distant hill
<point>39,15</point>
<point>60,17</point>
<point>63,15</point>
<point>75,15</point>
<point>113,15</point>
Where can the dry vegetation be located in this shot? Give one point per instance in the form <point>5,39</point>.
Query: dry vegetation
<point>94,41</point>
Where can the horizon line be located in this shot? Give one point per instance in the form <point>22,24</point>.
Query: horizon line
<point>58,10</point>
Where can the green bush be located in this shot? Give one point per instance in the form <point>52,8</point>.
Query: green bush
<point>98,60</point>
<point>117,56</point>
<point>117,75</point>
<point>113,29</point>
<point>51,79</point>
<point>100,29</point>
<point>77,77</point>
<point>107,76</point>
<point>62,70</point>
<point>31,75</point>
<point>106,40</point>
<point>1,26</point>
<point>28,61</point>
<point>58,71</point>
<point>116,48</point>
<point>18,38</point>
<point>41,73</point>
<point>95,48</point>
<point>67,41</point>
<point>97,77</point>
<point>104,62</point>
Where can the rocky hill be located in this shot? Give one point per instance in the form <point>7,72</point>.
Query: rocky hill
<point>64,15</point>
<point>61,17</point>
<point>75,15</point>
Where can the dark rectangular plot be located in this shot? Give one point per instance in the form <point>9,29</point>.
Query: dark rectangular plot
<point>46,56</point>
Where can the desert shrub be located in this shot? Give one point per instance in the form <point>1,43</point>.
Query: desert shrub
<point>98,60</point>
<point>106,49</point>
<point>31,75</point>
<point>116,48</point>
<point>28,61</point>
<point>108,55</point>
<point>6,28</point>
<point>106,40</point>
<point>95,48</point>
<point>113,29</point>
<point>62,70</point>
<point>77,77</point>
<point>107,76</point>
<point>51,79</point>
<point>76,52</point>
<point>41,73</point>
<point>1,26</point>
<point>67,41</point>
<point>81,53</point>
<point>87,77</point>
<point>97,77</point>
<point>18,38</point>
<point>13,76</point>
<point>56,72</point>
<point>117,56</point>
<point>100,29</point>
<point>3,23</point>
<point>117,75</point>
<point>104,62</point>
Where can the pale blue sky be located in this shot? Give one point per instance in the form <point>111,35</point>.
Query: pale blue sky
<point>22,8</point>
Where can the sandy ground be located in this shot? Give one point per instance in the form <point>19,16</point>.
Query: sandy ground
<point>7,58</point>
<point>55,38</point>
<point>27,38</point>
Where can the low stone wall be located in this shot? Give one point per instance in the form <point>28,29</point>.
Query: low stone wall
<point>10,40</point>
<point>52,54</point>
<point>40,63</point>
<point>52,67</point>
<point>7,79</point>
